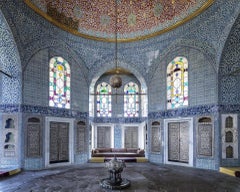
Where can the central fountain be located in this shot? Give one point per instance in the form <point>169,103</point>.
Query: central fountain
<point>115,180</point>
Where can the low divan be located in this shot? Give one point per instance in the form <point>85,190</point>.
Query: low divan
<point>118,152</point>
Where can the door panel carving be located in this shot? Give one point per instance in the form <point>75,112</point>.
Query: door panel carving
<point>103,137</point>
<point>63,142</point>
<point>155,139</point>
<point>173,141</point>
<point>59,142</point>
<point>178,141</point>
<point>131,137</point>
<point>33,139</point>
<point>80,137</point>
<point>184,142</point>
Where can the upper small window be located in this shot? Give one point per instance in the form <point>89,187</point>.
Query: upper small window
<point>59,83</point>
<point>229,122</point>
<point>177,83</point>
<point>131,100</point>
<point>104,100</point>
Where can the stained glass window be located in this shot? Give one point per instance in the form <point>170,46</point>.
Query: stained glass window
<point>177,83</point>
<point>104,100</point>
<point>59,83</point>
<point>131,100</point>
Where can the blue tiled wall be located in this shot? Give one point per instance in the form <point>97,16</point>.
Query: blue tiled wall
<point>117,136</point>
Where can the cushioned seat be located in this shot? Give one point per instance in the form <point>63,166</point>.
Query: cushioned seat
<point>118,152</point>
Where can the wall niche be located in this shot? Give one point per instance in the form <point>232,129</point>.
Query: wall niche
<point>80,139</point>
<point>229,136</point>
<point>205,137</point>
<point>155,137</point>
<point>33,138</point>
<point>9,135</point>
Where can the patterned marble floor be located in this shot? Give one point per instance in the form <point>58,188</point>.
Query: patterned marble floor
<point>144,177</point>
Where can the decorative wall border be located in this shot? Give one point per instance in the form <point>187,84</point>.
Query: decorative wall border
<point>10,108</point>
<point>195,111</point>
<point>181,112</point>
<point>55,112</point>
<point>184,112</point>
<point>117,120</point>
<point>40,110</point>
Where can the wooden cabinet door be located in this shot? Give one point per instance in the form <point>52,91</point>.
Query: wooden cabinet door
<point>59,142</point>
<point>178,141</point>
<point>103,137</point>
<point>184,142</point>
<point>173,141</point>
<point>131,137</point>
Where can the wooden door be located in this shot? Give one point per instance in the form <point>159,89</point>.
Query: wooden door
<point>59,142</point>
<point>131,137</point>
<point>103,137</point>
<point>178,141</point>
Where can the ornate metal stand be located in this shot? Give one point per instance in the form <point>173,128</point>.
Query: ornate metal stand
<point>115,181</point>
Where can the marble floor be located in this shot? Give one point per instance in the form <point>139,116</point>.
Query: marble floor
<point>144,177</point>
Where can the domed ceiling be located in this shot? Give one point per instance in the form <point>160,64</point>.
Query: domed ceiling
<point>136,19</point>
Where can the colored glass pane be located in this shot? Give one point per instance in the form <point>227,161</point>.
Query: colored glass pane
<point>177,83</point>
<point>59,83</point>
<point>104,102</point>
<point>131,100</point>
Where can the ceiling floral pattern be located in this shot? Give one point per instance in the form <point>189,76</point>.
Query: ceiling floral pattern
<point>136,19</point>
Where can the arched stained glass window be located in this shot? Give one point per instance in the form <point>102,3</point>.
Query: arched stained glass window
<point>104,100</point>
<point>177,83</point>
<point>131,100</point>
<point>59,83</point>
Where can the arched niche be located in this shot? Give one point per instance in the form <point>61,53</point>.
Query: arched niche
<point>9,123</point>
<point>80,144</point>
<point>205,120</point>
<point>205,137</point>
<point>229,152</point>
<point>33,138</point>
<point>155,137</point>
<point>229,135</point>
<point>229,122</point>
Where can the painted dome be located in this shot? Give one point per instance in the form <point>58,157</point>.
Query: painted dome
<point>136,19</point>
